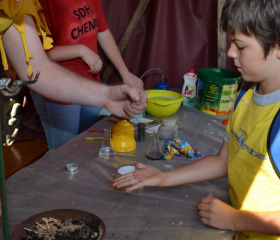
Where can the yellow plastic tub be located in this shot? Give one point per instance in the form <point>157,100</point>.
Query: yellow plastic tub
<point>163,103</point>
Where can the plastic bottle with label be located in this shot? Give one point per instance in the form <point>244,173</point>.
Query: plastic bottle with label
<point>189,89</point>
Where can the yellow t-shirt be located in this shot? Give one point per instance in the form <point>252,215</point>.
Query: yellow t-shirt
<point>12,13</point>
<point>253,183</point>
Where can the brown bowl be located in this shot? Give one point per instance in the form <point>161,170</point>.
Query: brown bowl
<point>75,224</point>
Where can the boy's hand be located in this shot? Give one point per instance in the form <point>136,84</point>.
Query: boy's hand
<point>216,213</point>
<point>143,176</point>
<point>132,80</point>
<point>92,59</point>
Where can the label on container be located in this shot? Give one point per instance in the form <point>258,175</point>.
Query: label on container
<point>216,98</point>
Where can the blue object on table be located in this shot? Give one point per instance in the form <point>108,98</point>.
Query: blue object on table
<point>162,85</point>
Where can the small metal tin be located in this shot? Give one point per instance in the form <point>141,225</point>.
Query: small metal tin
<point>71,167</point>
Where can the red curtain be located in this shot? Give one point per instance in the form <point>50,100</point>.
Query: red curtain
<point>173,35</point>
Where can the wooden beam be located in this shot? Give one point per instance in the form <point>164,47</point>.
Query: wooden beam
<point>127,35</point>
<point>221,39</point>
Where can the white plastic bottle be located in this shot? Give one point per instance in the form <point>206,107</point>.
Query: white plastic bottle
<point>189,89</point>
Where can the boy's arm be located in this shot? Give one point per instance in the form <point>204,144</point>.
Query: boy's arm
<point>67,52</point>
<point>210,167</point>
<point>109,46</point>
<point>218,214</point>
<point>261,222</point>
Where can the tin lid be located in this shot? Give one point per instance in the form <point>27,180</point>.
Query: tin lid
<point>168,121</point>
<point>71,167</point>
<point>126,169</point>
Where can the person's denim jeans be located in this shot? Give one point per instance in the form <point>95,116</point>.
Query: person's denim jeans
<point>63,122</point>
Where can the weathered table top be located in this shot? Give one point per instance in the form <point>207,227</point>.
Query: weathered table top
<point>149,213</point>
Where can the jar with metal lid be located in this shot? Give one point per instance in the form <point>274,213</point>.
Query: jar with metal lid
<point>168,129</point>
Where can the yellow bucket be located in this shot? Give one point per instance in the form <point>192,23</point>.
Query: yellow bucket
<point>163,103</point>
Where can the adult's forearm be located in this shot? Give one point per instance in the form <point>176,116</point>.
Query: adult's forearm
<point>63,85</point>
<point>55,82</point>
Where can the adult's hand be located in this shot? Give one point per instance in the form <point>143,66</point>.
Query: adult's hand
<point>143,176</point>
<point>125,100</point>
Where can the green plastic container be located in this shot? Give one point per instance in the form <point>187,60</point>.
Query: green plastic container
<point>217,88</point>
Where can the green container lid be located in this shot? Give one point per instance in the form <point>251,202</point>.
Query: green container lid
<point>220,75</point>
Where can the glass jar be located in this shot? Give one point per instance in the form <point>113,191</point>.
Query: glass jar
<point>154,151</point>
<point>168,129</point>
<point>106,151</point>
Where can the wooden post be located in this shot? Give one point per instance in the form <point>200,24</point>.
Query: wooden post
<point>126,36</point>
<point>221,39</point>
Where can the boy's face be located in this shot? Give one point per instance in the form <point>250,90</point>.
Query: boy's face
<point>249,59</point>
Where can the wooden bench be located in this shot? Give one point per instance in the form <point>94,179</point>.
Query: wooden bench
<point>21,154</point>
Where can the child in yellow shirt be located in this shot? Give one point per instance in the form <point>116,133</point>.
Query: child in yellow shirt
<point>253,27</point>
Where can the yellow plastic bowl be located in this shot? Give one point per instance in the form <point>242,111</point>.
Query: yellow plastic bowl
<point>163,103</point>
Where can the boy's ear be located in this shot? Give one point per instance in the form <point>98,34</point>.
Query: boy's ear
<point>277,48</point>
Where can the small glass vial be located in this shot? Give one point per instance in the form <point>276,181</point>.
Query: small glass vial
<point>106,151</point>
<point>168,129</point>
<point>141,131</point>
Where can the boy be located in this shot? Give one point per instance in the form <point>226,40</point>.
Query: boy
<point>253,27</point>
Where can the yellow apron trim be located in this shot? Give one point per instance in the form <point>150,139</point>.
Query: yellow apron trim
<point>13,14</point>
<point>3,54</point>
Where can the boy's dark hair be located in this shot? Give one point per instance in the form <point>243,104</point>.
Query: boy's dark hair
<point>258,18</point>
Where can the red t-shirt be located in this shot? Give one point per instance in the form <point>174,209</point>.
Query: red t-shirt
<point>75,22</point>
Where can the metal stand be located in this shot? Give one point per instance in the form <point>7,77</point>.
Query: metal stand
<point>8,89</point>
<point>4,206</point>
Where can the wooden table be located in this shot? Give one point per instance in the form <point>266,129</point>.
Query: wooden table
<point>149,213</point>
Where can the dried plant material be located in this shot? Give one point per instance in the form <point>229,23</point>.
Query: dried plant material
<point>48,225</point>
<point>38,224</point>
<point>54,229</point>
<point>60,224</point>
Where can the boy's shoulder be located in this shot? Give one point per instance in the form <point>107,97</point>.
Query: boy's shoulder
<point>273,139</point>
<point>242,91</point>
